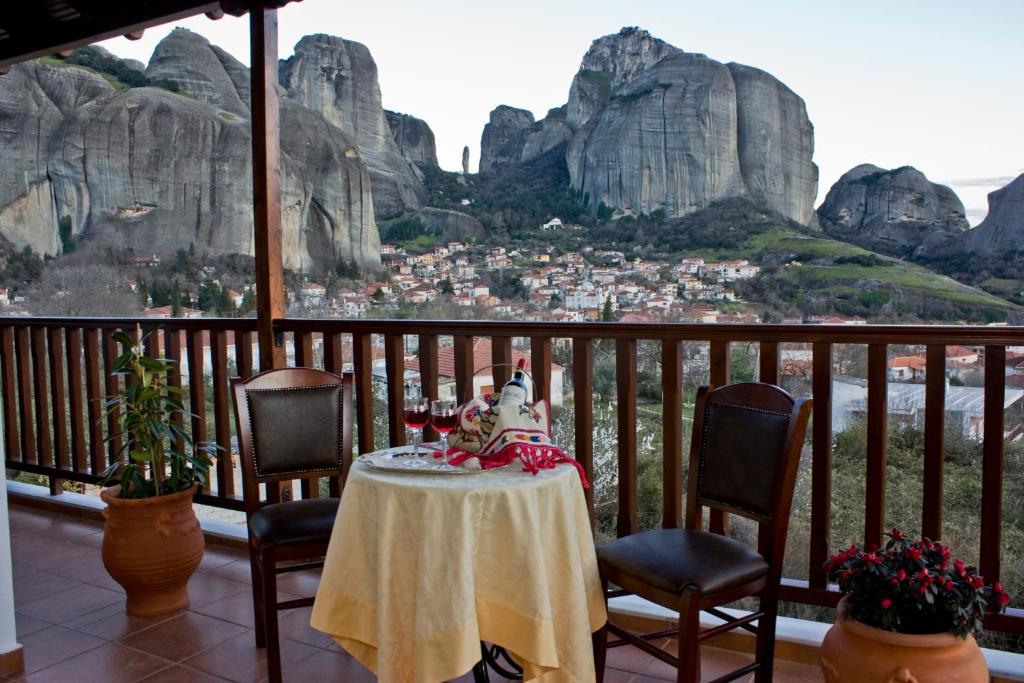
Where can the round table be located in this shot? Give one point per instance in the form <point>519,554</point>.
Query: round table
<point>423,567</point>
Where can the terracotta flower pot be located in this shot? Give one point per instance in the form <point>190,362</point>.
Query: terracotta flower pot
<point>853,652</point>
<point>151,546</point>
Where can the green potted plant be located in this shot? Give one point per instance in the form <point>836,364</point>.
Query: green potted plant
<point>908,613</point>
<point>152,542</point>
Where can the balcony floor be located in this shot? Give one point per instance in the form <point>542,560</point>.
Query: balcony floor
<point>72,624</point>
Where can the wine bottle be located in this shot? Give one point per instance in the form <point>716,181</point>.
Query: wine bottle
<point>514,391</point>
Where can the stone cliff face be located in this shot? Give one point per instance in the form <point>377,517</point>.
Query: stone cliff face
<point>504,137</point>
<point>337,78</point>
<point>899,211</point>
<point>1003,227</point>
<point>651,127</point>
<point>157,171</point>
<point>414,138</point>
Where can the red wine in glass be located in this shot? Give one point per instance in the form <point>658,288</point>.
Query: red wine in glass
<point>444,417</point>
<point>416,414</point>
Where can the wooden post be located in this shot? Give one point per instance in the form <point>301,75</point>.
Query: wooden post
<point>266,184</point>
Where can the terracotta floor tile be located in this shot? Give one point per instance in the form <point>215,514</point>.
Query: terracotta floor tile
<point>329,667</point>
<point>120,624</point>
<point>205,588</point>
<point>216,556</point>
<point>294,624</point>
<point>30,587</point>
<point>67,528</point>
<point>70,603</point>
<point>111,663</point>
<point>181,674</point>
<point>627,658</point>
<point>182,636</point>
<point>302,583</point>
<point>25,625</point>
<point>238,659</point>
<point>236,608</point>
<point>239,570</point>
<point>55,644</point>
<point>25,519</point>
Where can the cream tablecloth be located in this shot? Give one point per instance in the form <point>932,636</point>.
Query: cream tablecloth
<point>421,568</point>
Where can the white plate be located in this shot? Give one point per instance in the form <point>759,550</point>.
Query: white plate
<point>396,459</point>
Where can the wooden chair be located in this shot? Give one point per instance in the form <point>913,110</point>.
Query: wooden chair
<point>293,423</point>
<point>743,460</point>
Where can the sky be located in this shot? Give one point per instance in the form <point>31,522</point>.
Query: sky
<point>933,84</point>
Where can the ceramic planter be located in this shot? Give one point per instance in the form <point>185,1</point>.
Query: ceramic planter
<point>151,546</point>
<point>853,652</point>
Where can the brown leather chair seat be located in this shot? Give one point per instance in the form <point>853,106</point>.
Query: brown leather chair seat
<point>671,559</point>
<point>295,522</point>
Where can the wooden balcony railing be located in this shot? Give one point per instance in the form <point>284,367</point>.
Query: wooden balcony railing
<point>54,372</point>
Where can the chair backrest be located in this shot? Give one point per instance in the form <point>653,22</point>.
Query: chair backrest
<point>744,456</point>
<point>292,423</point>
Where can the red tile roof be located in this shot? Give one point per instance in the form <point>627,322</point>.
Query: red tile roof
<point>481,359</point>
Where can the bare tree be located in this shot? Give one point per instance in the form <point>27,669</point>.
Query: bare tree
<point>83,290</point>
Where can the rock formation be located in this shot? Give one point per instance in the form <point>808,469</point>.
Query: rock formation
<point>414,138</point>
<point>453,226</point>
<point>898,212</point>
<point>337,78</point>
<point>157,171</point>
<point>465,159</point>
<point>1003,227</point>
<point>650,127</point>
<point>504,137</point>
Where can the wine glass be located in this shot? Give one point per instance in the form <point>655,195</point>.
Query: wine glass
<point>416,414</point>
<point>443,418</point>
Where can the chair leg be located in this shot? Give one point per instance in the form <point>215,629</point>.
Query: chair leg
<point>256,572</point>
<point>689,629</point>
<point>269,590</point>
<point>600,640</point>
<point>765,648</point>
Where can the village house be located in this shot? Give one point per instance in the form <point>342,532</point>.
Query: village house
<point>906,368</point>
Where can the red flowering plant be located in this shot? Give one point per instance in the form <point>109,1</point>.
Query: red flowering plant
<point>913,587</point>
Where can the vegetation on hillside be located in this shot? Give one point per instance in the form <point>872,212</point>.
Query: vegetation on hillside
<point>114,70</point>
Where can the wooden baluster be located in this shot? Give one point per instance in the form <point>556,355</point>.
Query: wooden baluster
<point>12,439</point>
<point>152,344</point>
<point>934,440</point>
<point>821,464</point>
<point>427,354</point>
<point>94,400</point>
<point>243,353</point>
<point>768,363</point>
<point>222,414</point>
<point>196,386</point>
<point>58,400</point>
<point>112,386</point>
<point>992,463</point>
<point>878,444</point>
<point>172,344</point>
<point>625,379</point>
<point>583,398</point>
<point>303,349</point>
<point>23,354</point>
<point>540,367</point>
<point>362,358</point>
<point>501,359</point>
<point>394,364</point>
<point>672,432</point>
<point>720,373</point>
<point>333,361</point>
<point>44,439</point>
<point>463,368</point>
<point>79,456</point>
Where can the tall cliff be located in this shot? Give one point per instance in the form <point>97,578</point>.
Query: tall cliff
<point>337,78</point>
<point>504,137</point>
<point>157,171</point>
<point>414,138</point>
<point>657,128</point>
<point>898,211</point>
<point>1003,228</point>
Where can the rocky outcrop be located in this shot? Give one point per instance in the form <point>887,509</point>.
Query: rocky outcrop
<point>414,138</point>
<point>157,171</point>
<point>655,128</point>
<point>504,137</point>
<point>775,142</point>
<point>1003,228</point>
<point>546,134</point>
<point>898,212</point>
<point>337,78</point>
<point>452,226</point>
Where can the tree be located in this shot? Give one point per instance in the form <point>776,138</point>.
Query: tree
<point>378,295</point>
<point>446,287</point>
<point>176,301</point>
<point>606,312</point>
<point>82,290</point>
